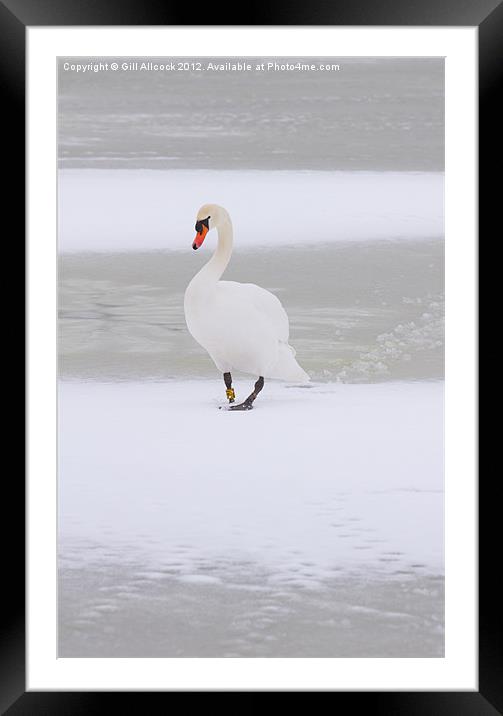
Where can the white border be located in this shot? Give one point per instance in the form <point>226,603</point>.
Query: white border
<point>458,670</point>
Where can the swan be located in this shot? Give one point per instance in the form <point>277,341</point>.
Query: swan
<point>242,326</point>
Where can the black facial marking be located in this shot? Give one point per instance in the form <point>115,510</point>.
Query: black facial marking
<point>201,223</point>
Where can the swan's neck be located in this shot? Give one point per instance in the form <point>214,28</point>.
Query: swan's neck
<point>213,270</point>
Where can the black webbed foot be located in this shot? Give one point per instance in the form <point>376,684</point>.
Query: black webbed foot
<point>246,405</point>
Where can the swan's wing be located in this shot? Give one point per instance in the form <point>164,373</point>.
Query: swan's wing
<point>266,303</point>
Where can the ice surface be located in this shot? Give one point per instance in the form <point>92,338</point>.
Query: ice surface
<point>329,495</point>
<point>159,466</point>
<point>376,113</point>
<point>118,210</point>
<point>359,311</point>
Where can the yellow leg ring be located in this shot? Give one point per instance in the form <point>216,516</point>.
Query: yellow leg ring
<point>230,394</point>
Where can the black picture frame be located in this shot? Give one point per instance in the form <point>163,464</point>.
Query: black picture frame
<point>15,17</point>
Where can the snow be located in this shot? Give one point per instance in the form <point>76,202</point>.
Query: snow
<point>311,526</point>
<point>122,210</point>
<point>314,482</point>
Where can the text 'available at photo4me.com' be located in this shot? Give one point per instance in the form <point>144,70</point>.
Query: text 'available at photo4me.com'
<point>184,66</point>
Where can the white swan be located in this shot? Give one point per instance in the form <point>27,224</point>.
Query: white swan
<point>242,326</point>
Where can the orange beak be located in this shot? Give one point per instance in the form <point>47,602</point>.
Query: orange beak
<point>200,237</point>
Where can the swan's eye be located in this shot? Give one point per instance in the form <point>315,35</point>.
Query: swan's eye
<point>201,223</point>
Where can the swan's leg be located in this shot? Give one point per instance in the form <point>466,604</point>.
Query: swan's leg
<point>248,403</point>
<point>231,396</point>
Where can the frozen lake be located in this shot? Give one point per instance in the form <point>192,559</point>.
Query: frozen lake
<point>385,113</point>
<point>312,526</point>
<point>359,312</point>
<point>113,210</point>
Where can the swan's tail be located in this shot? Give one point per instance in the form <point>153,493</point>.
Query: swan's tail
<point>286,367</point>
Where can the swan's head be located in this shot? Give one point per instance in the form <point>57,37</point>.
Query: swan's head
<point>208,217</point>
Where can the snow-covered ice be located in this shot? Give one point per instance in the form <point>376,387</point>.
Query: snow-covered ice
<point>323,505</point>
<point>119,210</point>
